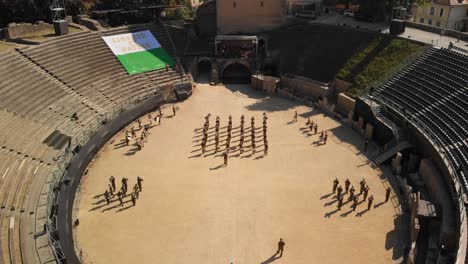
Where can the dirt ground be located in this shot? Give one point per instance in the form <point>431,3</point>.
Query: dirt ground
<point>194,210</point>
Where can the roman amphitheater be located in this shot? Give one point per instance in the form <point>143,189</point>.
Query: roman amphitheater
<point>68,107</point>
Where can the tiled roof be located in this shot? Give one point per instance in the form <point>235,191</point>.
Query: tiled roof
<point>451,2</point>
<point>458,2</point>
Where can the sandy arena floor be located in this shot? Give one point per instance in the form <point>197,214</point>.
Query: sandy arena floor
<point>193,210</point>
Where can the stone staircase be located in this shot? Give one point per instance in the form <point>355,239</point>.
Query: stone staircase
<point>398,143</point>
<point>391,150</point>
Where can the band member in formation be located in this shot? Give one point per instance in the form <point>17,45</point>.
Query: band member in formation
<point>225,156</point>
<point>111,190</point>
<point>253,145</point>
<point>139,183</point>
<point>136,190</point>
<point>353,197</point>
<point>339,191</point>
<point>112,181</point>
<point>120,196</point>
<point>355,203</point>
<point>351,194</point>
<point>335,184</point>
<point>347,183</point>
<point>107,196</point>
<point>241,144</point>
<point>369,202</point>
<point>362,185</point>
<point>265,129</point>
<point>206,127</point>
<point>366,192</point>
<point>340,202</point>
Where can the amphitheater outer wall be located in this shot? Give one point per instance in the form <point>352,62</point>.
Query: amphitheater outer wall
<point>453,224</point>
<point>345,104</point>
<point>342,85</point>
<point>89,23</point>
<point>14,30</point>
<point>80,162</point>
<point>437,30</point>
<point>449,220</point>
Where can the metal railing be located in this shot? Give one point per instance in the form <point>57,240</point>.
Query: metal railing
<point>382,117</point>
<point>460,199</point>
<point>59,170</point>
<point>442,151</point>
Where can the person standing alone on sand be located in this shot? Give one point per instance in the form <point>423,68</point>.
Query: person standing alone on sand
<point>280,247</point>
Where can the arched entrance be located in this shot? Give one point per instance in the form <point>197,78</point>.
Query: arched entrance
<point>236,73</point>
<point>204,71</point>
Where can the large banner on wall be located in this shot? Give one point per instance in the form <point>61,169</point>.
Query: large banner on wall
<point>139,51</point>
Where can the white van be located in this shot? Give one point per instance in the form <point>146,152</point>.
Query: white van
<point>348,12</point>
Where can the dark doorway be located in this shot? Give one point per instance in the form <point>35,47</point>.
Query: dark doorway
<point>261,48</point>
<point>270,70</point>
<point>236,74</point>
<point>204,70</point>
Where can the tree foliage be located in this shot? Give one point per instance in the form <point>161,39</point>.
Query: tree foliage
<point>185,12</point>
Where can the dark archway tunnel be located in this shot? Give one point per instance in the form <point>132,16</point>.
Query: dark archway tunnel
<point>236,73</point>
<point>204,70</point>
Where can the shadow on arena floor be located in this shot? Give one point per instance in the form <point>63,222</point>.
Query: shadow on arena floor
<point>394,239</point>
<point>345,134</point>
<point>271,104</point>
<point>271,259</point>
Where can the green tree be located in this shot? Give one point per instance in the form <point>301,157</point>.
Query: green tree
<point>185,12</point>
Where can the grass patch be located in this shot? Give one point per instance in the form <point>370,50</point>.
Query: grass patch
<point>46,34</point>
<point>394,54</point>
<point>357,58</point>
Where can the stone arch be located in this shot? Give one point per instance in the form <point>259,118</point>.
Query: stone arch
<point>204,66</point>
<point>229,62</point>
<point>244,68</point>
<point>200,59</point>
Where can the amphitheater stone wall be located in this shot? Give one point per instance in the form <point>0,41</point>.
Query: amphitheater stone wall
<point>432,163</point>
<point>243,16</point>
<point>345,104</point>
<point>342,85</point>
<point>87,152</point>
<point>304,87</point>
<point>89,23</point>
<point>264,83</point>
<point>433,182</point>
<point>14,30</point>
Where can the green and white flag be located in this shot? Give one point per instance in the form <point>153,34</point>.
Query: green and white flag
<point>139,51</point>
